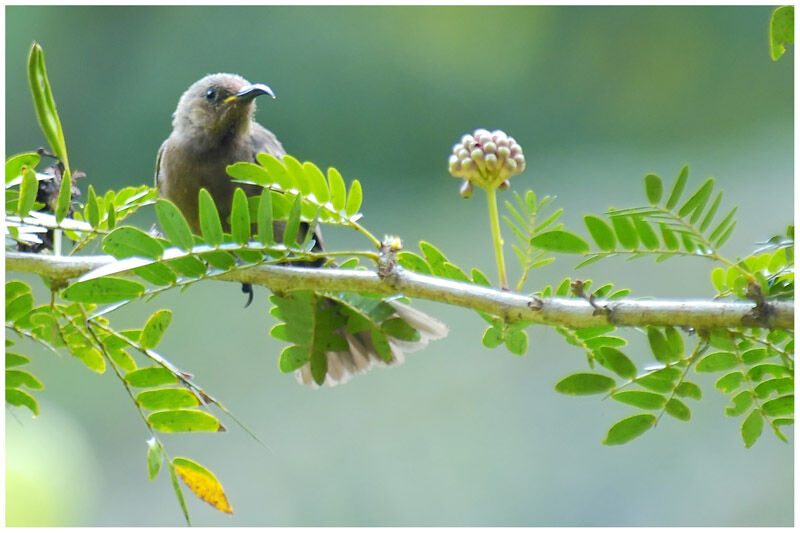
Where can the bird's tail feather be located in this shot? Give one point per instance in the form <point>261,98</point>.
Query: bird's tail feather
<point>362,355</point>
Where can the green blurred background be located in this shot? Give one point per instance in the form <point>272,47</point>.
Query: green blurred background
<point>459,435</point>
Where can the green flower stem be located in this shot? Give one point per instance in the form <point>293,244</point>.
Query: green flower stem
<point>494,222</point>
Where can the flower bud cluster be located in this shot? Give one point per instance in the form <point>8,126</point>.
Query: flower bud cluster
<point>486,158</point>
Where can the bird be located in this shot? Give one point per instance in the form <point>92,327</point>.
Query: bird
<point>214,126</point>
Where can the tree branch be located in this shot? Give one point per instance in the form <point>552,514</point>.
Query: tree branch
<point>570,312</point>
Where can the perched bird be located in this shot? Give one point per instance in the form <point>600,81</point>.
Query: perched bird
<point>213,127</point>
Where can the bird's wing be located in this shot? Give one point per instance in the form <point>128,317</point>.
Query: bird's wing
<point>265,141</point>
<point>158,163</point>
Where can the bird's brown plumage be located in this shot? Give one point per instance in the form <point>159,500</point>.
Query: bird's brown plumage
<point>213,127</point>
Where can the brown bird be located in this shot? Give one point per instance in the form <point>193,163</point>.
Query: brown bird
<point>213,127</point>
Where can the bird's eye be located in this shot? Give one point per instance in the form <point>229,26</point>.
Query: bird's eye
<point>210,94</point>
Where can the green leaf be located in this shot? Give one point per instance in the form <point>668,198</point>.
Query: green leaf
<point>92,209</point>
<point>697,202</point>
<point>276,169</point>
<point>741,403</point>
<point>122,359</point>
<point>729,382</point>
<point>596,342</point>
<point>756,355</point>
<point>710,213</point>
<point>413,262</point>
<point>127,241</point>
<point>293,223</point>
<point>433,256</point>
<point>752,427</point>
<point>15,165</point>
<point>585,383</point>
<point>19,307</point>
<point>295,170</point>
<point>781,31</point>
<point>14,288</point>
<point>661,380</point>
<point>203,483</point>
<point>725,235</point>
<point>758,372</point>
<point>240,217</point>
<point>616,361</point>
<point>111,216</point>
<point>480,278</point>
<point>353,199</point>
<point>641,399</point>
<point>629,428</point>
<point>517,341</point>
<point>762,390</point>
<point>151,376</point>
<point>247,171</point>
<point>292,357</point>
<point>716,362</point>
<point>381,344</point>
<point>678,409</point>
<point>783,405</point>
<point>175,227</point>
<point>20,378</point>
<point>45,105</point>
<point>103,290</point>
<point>560,241</point>
<point>722,226</point>
<point>626,232</point>
<point>654,188</point>
<point>718,279</point>
<point>337,187</point>
<point>90,357</point>
<point>659,345</point>
<point>601,232</point>
<point>156,273</point>
<point>319,187</point>
<point>670,240</point>
<point>264,217</point>
<point>64,198</point>
<point>677,189</point>
<point>155,458</point>
<point>493,336</point>
<point>400,329</point>
<point>184,420</point>
<point>27,192</point>
<point>687,389</point>
<point>646,233</point>
<point>170,398</point>
<point>155,328</point>
<point>674,342</point>
<point>319,365</point>
<point>210,225</point>
<point>20,398</point>
<point>15,359</point>
<point>219,259</point>
<point>176,487</point>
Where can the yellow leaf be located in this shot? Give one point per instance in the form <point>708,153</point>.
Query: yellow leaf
<point>203,483</point>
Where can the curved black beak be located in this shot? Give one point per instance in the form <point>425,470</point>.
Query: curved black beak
<point>249,92</point>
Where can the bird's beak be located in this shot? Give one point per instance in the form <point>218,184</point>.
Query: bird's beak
<point>249,92</point>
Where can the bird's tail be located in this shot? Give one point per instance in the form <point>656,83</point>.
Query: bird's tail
<point>362,355</point>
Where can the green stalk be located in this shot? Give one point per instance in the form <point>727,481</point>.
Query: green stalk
<point>494,222</point>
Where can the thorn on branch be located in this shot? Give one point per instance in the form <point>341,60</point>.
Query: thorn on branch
<point>762,313</point>
<point>536,303</point>
<point>578,287</point>
<point>387,259</point>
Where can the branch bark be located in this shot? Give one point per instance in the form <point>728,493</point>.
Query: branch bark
<point>569,312</point>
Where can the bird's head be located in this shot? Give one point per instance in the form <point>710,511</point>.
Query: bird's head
<point>218,105</point>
